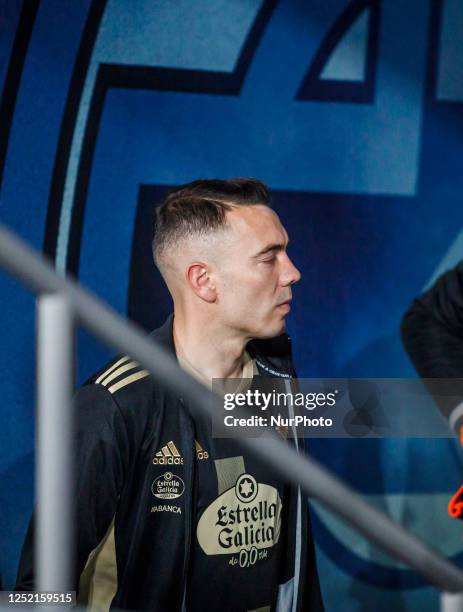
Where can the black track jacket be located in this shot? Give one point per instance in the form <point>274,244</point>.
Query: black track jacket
<point>136,449</point>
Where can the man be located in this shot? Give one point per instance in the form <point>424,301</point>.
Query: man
<point>194,522</point>
<point>432,331</point>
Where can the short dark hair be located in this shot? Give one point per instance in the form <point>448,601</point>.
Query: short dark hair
<point>199,207</point>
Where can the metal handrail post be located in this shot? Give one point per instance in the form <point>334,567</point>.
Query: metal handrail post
<point>54,450</point>
<point>451,602</point>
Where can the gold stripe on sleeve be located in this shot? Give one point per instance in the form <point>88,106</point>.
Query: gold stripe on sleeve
<point>128,380</point>
<point>124,368</point>
<point>113,367</point>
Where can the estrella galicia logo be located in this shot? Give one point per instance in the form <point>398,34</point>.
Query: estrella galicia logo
<point>243,522</point>
<point>168,486</point>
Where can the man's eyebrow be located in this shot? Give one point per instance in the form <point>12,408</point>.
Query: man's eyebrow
<point>271,247</point>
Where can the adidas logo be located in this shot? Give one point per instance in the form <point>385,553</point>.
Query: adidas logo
<point>200,452</point>
<point>168,455</point>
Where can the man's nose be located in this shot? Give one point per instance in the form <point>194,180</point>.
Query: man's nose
<point>290,274</point>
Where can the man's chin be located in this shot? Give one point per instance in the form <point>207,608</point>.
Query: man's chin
<point>272,330</point>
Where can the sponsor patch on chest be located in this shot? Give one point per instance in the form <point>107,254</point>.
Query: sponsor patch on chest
<point>168,486</point>
<point>244,520</point>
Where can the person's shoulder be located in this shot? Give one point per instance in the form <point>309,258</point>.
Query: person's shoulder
<point>124,379</point>
<point>122,371</point>
<point>119,397</point>
<point>125,384</point>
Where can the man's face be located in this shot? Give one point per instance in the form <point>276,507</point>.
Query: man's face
<point>254,273</point>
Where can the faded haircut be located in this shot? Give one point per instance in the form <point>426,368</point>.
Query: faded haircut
<point>199,208</point>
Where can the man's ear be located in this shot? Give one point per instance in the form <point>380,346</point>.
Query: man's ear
<point>198,276</point>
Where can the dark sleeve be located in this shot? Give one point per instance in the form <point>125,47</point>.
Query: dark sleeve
<point>102,451</point>
<point>432,328</point>
<point>432,333</point>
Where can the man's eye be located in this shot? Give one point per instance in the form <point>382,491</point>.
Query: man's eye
<point>269,261</point>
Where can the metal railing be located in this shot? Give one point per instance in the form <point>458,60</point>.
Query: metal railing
<point>70,303</point>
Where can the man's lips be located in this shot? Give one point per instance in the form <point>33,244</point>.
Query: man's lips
<point>285,303</point>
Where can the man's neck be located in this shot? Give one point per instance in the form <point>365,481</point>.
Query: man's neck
<point>208,349</point>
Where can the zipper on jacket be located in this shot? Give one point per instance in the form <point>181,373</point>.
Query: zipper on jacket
<point>298,526</point>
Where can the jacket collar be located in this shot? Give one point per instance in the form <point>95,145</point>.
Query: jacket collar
<point>273,355</point>
<point>164,335</point>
